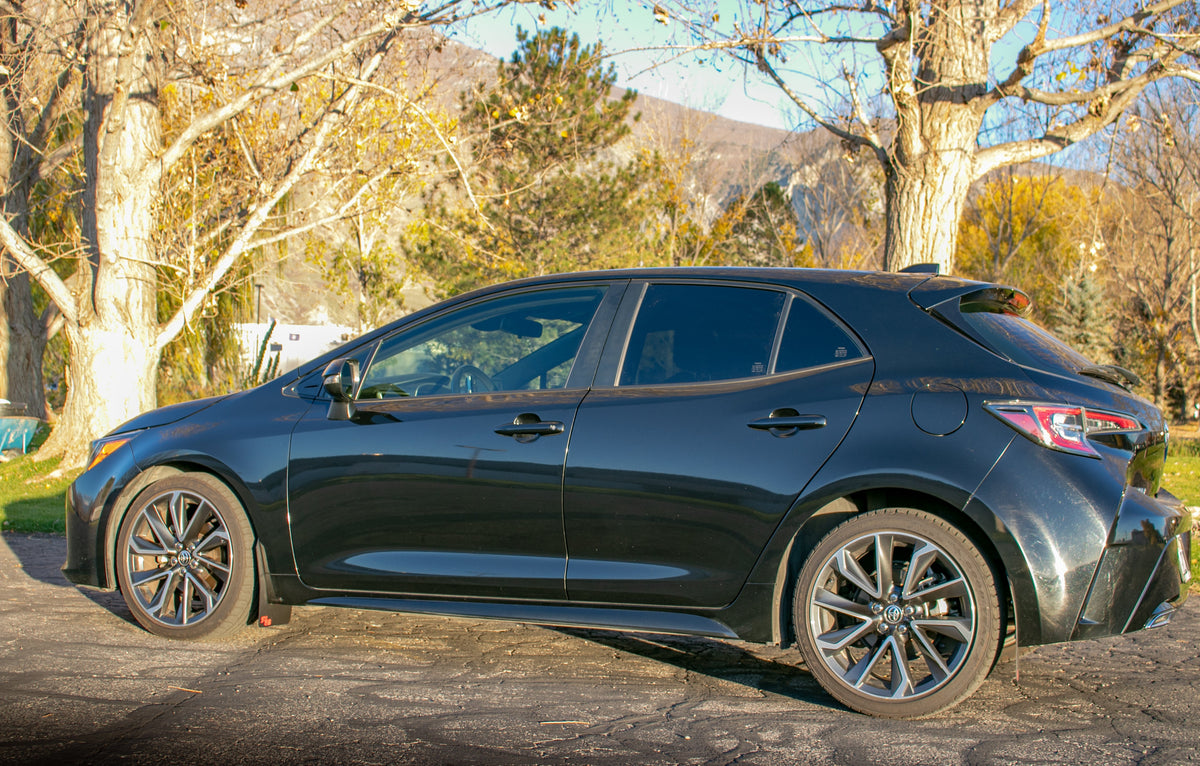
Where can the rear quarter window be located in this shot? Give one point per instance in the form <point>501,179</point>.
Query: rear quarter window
<point>812,339</point>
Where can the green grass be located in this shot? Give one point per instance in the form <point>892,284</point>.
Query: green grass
<point>1182,478</point>
<point>29,501</point>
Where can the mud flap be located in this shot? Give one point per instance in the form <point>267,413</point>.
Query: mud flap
<point>270,611</point>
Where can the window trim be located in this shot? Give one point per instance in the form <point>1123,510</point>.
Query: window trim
<point>608,374</point>
<point>579,376</point>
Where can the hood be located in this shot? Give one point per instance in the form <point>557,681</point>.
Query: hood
<point>169,414</point>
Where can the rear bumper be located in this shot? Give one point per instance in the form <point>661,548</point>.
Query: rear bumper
<point>1145,570</point>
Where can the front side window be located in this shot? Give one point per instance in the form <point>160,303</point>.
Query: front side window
<point>518,342</point>
<point>694,333</point>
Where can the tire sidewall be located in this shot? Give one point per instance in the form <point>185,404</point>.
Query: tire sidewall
<point>981,581</point>
<point>233,610</point>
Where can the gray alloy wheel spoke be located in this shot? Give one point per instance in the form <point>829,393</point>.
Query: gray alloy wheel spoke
<point>837,640</point>
<point>164,536</point>
<point>902,682</point>
<point>216,568</point>
<point>162,597</point>
<point>957,628</point>
<point>836,603</point>
<point>884,548</point>
<point>922,558</point>
<point>933,660</point>
<point>848,567</point>
<point>178,514</point>
<point>185,599</point>
<point>215,538</point>
<point>144,577</point>
<point>204,511</point>
<point>142,547</point>
<point>956,588</point>
<point>210,598</point>
<point>858,674</point>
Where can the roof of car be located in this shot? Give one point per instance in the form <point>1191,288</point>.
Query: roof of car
<point>794,276</point>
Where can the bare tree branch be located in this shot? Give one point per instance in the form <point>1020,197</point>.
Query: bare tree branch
<point>329,119</point>
<point>39,270</point>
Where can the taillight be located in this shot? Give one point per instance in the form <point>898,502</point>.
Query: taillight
<point>1061,426</point>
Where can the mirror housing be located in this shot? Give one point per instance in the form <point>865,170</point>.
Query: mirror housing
<point>341,381</point>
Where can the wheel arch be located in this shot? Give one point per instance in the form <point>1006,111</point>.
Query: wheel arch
<point>989,535</point>
<point>124,501</point>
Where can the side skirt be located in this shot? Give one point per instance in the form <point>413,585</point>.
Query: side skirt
<point>636,620</point>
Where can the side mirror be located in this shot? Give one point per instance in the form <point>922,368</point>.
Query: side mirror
<point>341,381</point>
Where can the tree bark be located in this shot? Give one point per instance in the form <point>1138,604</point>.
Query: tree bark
<point>924,207</point>
<point>114,350</point>
<point>22,343</point>
<point>22,336</point>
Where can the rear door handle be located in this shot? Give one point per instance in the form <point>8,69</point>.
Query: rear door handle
<point>786,421</point>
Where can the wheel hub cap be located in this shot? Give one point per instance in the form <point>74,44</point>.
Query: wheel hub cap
<point>893,614</point>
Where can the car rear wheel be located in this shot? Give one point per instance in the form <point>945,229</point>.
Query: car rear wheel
<point>897,614</point>
<point>184,559</point>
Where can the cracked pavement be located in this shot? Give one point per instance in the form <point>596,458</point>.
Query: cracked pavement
<point>80,682</point>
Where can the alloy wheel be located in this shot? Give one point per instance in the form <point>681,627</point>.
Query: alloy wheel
<point>892,615</point>
<point>180,558</point>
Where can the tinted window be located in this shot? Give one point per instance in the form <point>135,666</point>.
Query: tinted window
<point>812,338</point>
<point>525,341</point>
<point>690,333</point>
<point>1022,341</point>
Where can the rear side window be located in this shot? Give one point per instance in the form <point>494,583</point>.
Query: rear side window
<point>811,339</point>
<point>1020,340</point>
<point>694,333</point>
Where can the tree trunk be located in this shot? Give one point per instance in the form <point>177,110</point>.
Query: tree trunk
<point>22,337</point>
<point>114,350</point>
<point>924,207</point>
<point>22,342</point>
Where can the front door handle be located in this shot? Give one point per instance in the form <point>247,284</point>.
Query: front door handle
<point>527,427</point>
<point>787,421</point>
<point>545,428</point>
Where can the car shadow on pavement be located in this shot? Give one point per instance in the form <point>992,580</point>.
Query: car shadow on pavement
<point>41,557</point>
<point>720,660</point>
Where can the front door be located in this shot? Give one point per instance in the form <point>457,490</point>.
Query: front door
<point>447,480</point>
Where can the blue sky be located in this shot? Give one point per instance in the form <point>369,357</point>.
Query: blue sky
<point>717,84</point>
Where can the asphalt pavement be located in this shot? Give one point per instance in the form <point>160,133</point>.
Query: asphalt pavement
<point>81,683</point>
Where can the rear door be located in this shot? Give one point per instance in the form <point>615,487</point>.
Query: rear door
<point>713,408</point>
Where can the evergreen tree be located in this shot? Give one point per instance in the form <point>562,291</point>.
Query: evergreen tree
<point>553,193</point>
<point>1082,317</point>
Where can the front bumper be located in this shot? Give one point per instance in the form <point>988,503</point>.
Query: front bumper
<point>89,505</point>
<point>1145,571</point>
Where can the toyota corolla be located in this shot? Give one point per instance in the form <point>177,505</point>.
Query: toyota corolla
<point>897,473</point>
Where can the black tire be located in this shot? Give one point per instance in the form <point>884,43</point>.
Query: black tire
<point>184,559</point>
<point>912,642</point>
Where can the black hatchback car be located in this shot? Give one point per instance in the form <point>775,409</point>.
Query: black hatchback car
<point>895,472</point>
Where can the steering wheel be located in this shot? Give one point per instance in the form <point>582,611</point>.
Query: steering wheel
<point>469,379</point>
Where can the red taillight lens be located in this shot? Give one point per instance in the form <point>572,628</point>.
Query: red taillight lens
<point>1061,426</point>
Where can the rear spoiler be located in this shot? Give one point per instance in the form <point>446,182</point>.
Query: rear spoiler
<point>933,294</point>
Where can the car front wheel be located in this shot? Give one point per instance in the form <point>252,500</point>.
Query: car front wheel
<point>897,614</point>
<point>184,559</point>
